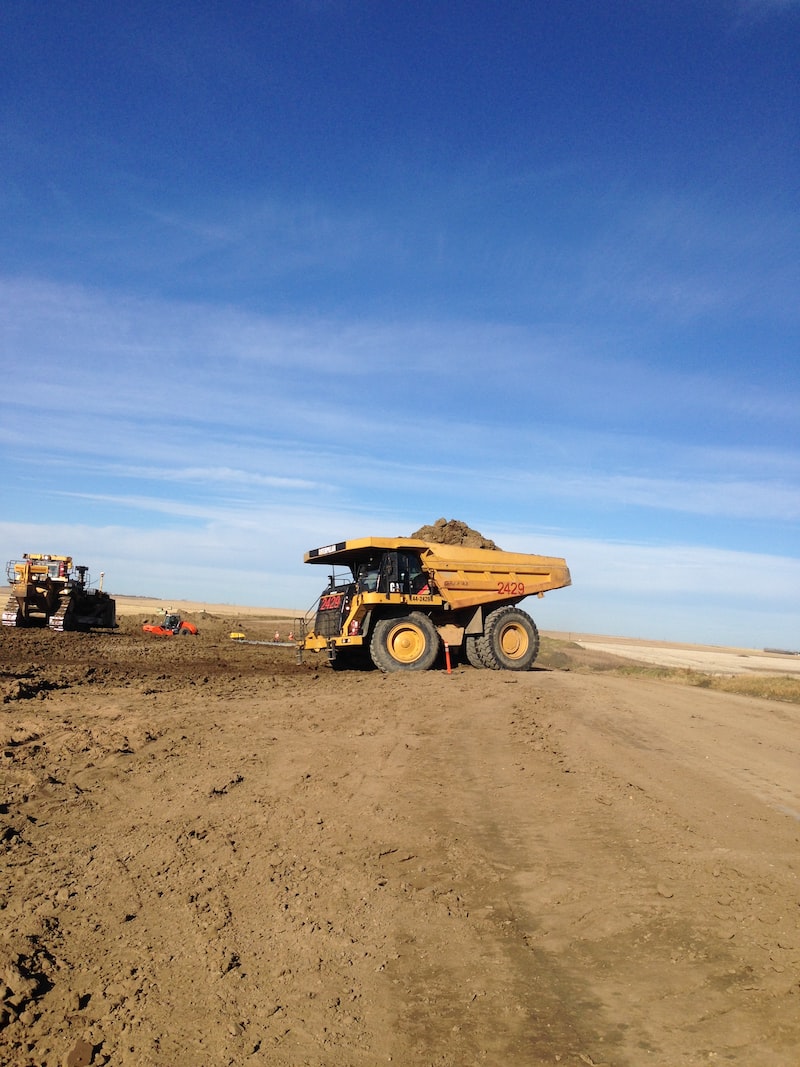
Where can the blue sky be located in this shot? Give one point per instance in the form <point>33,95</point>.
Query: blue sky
<point>273,275</point>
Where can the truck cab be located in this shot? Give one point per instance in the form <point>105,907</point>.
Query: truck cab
<point>391,571</point>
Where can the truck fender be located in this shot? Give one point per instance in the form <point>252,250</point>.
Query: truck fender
<point>474,624</point>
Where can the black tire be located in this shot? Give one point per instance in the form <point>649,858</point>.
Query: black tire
<point>407,643</point>
<point>472,653</point>
<point>510,640</point>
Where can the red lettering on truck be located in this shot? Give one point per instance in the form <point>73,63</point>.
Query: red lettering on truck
<point>511,588</point>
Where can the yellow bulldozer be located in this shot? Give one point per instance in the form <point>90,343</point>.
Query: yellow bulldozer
<point>47,590</point>
<point>400,600</point>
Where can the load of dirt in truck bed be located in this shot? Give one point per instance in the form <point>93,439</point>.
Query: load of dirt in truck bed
<point>453,532</point>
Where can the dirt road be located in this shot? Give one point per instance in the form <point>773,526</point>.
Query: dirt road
<point>214,856</point>
<point>725,661</point>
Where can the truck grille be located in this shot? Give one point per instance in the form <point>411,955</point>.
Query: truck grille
<point>331,611</point>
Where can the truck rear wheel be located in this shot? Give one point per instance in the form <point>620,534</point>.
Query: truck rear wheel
<point>472,653</point>
<point>510,640</point>
<point>409,643</point>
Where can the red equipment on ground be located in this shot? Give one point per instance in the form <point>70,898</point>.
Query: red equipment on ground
<point>172,626</point>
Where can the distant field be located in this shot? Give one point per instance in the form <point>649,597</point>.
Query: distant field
<point>703,658</point>
<point>138,605</point>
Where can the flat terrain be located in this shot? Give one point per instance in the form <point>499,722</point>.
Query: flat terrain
<point>215,856</point>
<point>721,661</point>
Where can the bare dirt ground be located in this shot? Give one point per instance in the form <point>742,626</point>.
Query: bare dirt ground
<point>215,856</point>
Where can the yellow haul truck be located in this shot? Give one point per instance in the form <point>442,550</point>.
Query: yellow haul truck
<point>400,598</point>
<point>46,590</point>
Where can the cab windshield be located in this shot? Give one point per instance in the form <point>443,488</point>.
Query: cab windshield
<point>391,572</point>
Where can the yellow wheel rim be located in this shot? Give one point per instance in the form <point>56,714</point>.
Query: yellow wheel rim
<point>514,641</point>
<point>406,643</point>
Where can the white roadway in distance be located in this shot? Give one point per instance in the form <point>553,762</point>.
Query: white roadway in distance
<point>707,660</point>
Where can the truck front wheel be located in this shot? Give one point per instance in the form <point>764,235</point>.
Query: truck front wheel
<point>409,643</point>
<point>510,640</point>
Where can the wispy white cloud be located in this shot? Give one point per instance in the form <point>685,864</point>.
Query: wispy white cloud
<point>483,470</point>
<point>132,395</point>
<point>162,362</point>
<point>686,259</point>
<point>226,477</point>
<point>754,10</point>
<point>250,236</point>
<point>697,495</point>
<point>206,511</point>
<point>625,568</point>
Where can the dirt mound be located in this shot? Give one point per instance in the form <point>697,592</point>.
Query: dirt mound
<point>453,532</point>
